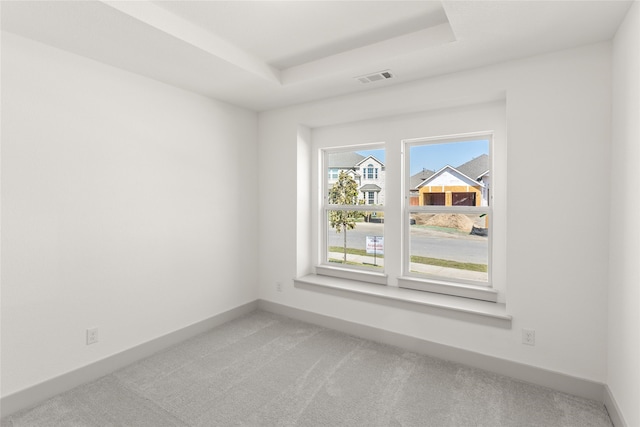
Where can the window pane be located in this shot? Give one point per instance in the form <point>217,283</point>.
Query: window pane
<point>450,174</point>
<point>356,177</point>
<point>450,246</point>
<point>355,238</point>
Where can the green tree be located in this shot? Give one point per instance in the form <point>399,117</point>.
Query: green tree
<point>344,192</point>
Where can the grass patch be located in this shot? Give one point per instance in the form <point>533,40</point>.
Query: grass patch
<point>449,263</point>
<point>448,230</point>
<point>366,264</point>
<point>414,258</point>
<point>352,251</point>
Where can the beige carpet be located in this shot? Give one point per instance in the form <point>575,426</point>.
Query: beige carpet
<point>267,370</point>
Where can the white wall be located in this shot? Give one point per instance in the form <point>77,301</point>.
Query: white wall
<point>623,373</point>
<point>558,119</point>
<point>127,205</point>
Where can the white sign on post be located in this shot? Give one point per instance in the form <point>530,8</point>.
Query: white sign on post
<point>375,245</point>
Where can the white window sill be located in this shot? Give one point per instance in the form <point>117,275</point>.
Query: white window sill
<point>490,313</point>
<point>352,274</point>
<point>448,288</point>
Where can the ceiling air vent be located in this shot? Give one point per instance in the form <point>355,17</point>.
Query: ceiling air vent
<point>375,77</point>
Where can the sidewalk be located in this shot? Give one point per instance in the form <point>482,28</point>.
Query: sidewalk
<point>419,268</point>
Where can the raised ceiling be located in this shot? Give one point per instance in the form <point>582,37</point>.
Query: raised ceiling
<point>268,54</point>
<point>287,34</point>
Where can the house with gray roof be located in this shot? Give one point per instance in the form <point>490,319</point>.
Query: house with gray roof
<point>367,171</point>
<point>415,181</point>
<point>477,168</point>
<point>465,185</point>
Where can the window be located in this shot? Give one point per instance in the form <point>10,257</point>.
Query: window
<point>439,203</point>
<point>353,234</point>
<point>447,213</point>
<point>448,233</point>
<point>371,172</point>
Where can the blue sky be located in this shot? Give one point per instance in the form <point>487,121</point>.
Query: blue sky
<point>436,156</point>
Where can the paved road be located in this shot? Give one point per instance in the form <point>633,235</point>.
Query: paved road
<point>425,242</point>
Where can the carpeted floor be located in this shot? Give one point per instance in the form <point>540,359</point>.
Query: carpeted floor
<point>265,369</point>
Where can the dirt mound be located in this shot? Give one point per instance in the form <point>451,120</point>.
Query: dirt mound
<point>421,218</point>
<point>458,221</point>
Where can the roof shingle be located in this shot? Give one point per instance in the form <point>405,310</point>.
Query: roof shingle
<point>474,168</point>
<point>345,160</point>
<point>416,179</point>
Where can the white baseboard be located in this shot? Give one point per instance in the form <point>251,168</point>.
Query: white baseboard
<point>531,374</point>
<point>613,409</point>
<point>33,395</point>
<point>558,381</point>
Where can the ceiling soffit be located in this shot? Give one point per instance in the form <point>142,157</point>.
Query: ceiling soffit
<point>268,54</point>
<point>231,31</point>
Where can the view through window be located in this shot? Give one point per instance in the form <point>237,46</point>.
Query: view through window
<point>354,208</point>
<point>449,189</point>
<point>447,235</point>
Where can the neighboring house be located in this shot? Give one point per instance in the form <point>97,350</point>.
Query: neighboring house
<point>367,171</point>
<point>414,183</point>
<point>466,185</point>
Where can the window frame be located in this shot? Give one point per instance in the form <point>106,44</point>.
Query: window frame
<point>465,119</point>
<point>325,267</point>
<point>370,199</point>
<point>369,171</point>
<point>440,284</point>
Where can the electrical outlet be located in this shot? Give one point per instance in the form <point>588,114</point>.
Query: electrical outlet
<point>528,337</point>
<point>279,286</point>
<point>92,336</point>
